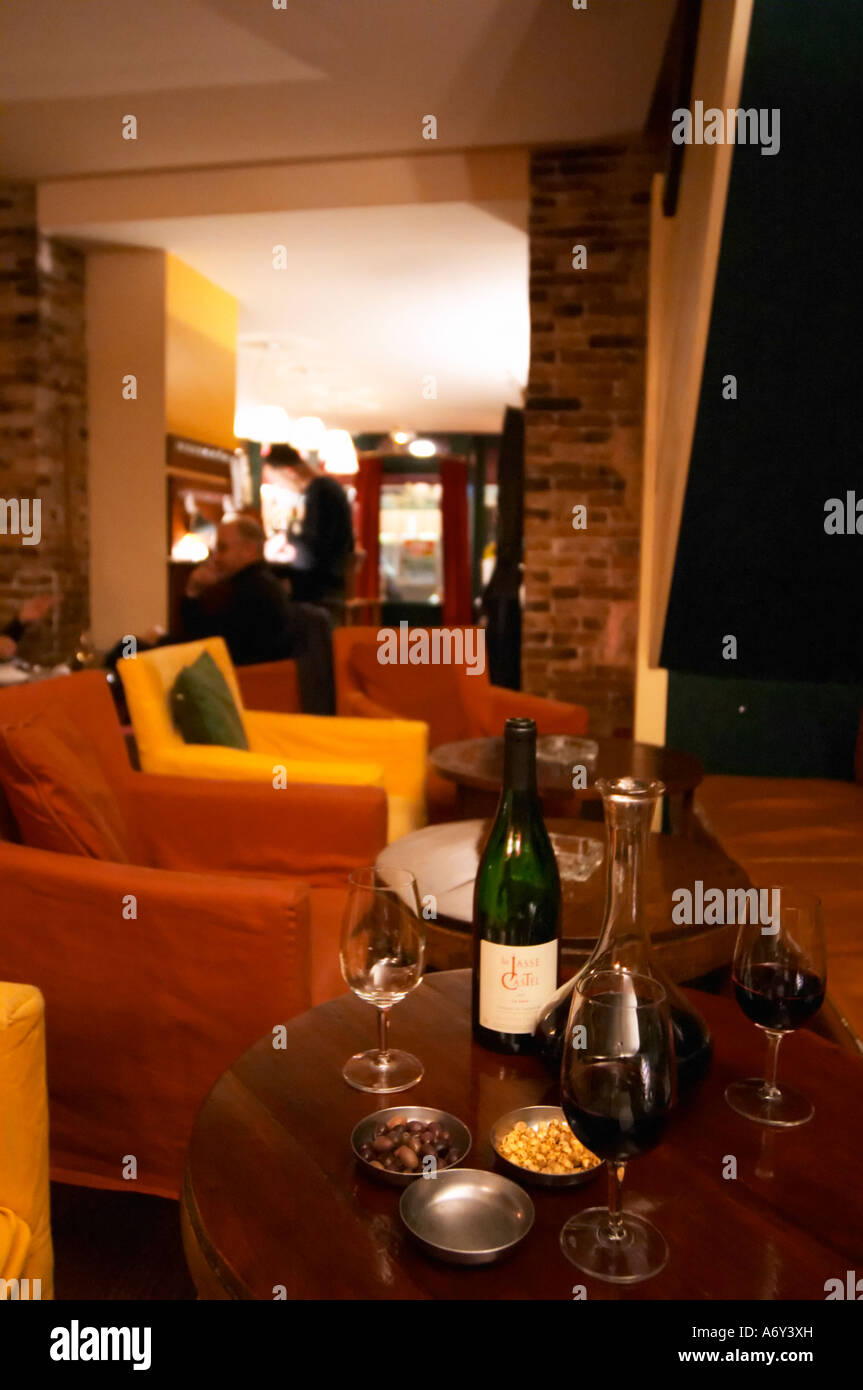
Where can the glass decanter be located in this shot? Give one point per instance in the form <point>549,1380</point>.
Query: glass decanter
<point>624,939</point>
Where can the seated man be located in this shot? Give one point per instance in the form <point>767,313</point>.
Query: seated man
<point>234,595</point>
<point>31,611</point>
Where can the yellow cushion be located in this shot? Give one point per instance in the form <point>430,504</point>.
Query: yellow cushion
<point>147,681</point>
<point>403,816</point>
<point>312,748</point>
<point>15,1242</point>
<point>399,746</point>
<point>24,1159</point>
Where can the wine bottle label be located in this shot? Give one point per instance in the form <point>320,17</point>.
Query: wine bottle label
<point>515,984</point>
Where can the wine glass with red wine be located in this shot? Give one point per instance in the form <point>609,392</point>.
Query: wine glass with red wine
<point>382,953</point>
<point>618,1082</point>
<point>780,976</point>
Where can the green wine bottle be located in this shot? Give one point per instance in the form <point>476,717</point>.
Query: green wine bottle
<point>516,909</point>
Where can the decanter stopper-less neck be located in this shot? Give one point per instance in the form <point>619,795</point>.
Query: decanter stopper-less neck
<point>629,805</point>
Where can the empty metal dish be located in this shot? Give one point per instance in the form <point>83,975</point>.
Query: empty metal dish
<point>533,1115</point>
<point>363,1133</point>
<point>466,1216</point>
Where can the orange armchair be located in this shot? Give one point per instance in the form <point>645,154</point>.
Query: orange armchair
<point>453,702</point>
<point>271,685</point>
<point>157,973</point>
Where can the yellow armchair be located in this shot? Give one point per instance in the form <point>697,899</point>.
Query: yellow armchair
<point>25,1214</point>
<point>304,748</point>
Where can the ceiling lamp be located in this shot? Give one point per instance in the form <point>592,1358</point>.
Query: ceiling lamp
<point>265,424</point>
<point>307,434</point>
<point>337,453</point>
<point>422,448</point>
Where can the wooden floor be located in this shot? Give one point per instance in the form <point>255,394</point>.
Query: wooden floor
<point>117,1245</point>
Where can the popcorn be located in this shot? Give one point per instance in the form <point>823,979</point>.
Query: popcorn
<point>549,1147</point>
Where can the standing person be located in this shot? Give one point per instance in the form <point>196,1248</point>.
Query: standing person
<point>325,543</point>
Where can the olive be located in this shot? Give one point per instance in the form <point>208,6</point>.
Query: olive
<point>427,1137</point>
<point>407,1158</point>
<point>444,1136</point>
<point>389,1163</point>
<point>441,1149</point>
<point>367,1152</point>
<point>415,1127</point>
<point>396,1122</point>
<point>428,1151</point>
<point>413,1142</point>
<point>382,1145</point>
<point>375,1164</point>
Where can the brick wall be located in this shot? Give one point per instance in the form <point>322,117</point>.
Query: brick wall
<point>43,441</point>
<point>584,416</point>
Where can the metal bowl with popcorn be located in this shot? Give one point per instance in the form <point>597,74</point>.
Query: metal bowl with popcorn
<point>537,1145</point>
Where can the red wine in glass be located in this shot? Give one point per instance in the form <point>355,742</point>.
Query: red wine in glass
<point>781,997</point>
<point>617,1088</point>
<point>612,1112</point>
<point>780,979</point>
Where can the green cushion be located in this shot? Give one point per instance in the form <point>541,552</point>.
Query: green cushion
<point>203,708</point>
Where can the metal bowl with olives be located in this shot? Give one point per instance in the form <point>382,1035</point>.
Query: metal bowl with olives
<point>399,1144</point>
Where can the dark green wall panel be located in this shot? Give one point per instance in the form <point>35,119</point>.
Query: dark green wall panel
<point>753,559</point>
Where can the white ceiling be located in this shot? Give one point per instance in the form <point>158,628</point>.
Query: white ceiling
<point>57,50</point>
<point>373,300</point>
<point>227,81</point>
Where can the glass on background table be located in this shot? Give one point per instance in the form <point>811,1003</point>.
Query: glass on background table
<point>269,1168</point>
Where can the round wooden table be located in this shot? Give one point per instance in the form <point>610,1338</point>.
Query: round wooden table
<point>273,1202</point>
<point>476,767</point>
<point>444,858</point>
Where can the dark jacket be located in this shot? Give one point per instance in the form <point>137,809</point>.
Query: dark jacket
<point>250,610</point>
<point>325,542</point>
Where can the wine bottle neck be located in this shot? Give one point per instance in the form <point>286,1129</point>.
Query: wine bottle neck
<point>519,768</point>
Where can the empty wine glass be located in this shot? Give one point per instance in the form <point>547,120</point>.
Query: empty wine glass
<point>780,977</point>
<point>618,1085</point>
<point>382,956</point>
